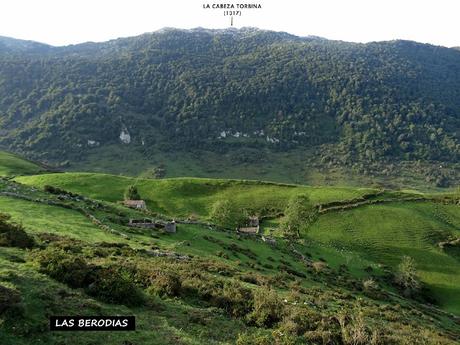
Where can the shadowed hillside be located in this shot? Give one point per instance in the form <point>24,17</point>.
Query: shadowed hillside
<point>11,165</point>
<point>363,107</point>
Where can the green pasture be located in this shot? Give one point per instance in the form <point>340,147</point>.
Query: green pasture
<point>191,196</point>
<point>385,233</point>
<point>10,165</point>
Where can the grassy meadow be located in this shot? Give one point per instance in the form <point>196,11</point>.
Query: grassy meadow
<point>187,196</point>
<point>11,164</point>
<point>381,233</point>
<point>385,233</point>
<point>204,284</point>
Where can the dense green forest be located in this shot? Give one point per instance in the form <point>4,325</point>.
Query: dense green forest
<point>355,105</point>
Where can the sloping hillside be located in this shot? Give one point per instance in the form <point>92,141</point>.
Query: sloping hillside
<point>187,196</point>
<point>363,106</point>
<point>382,230</point>
<point>385,233</point>
<point>74,253</point>
<point>11,164</point>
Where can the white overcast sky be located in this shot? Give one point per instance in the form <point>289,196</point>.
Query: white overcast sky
<point>61,22</point>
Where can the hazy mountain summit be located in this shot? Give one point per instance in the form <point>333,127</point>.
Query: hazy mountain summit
<point>8,44</point>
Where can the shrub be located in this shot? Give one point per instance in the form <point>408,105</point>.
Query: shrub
<point>284,262</point>
<point>319,266</point>
<point>291,271</point>
<point>370,285</point>
<point>110,285</point>
<point>164,284</point>
<point>234,299</point>
<point>63,266</point>
<point>234,248</point>
<point>355,331</point>
<point>321,336</point>
<point>58,191</point>
<point>257,338</point>
<point>70,245</point>
<point>298,215</point>
<point>250,277</point>
<point>9,299</point>
<point>131,193</point>
<point>197,317</point>
<point>268,308</point>
<point>299,320</point>
<point>228,295</point>
<point>406,276</point>
<point>369,269</point>
<point>214,266</point>
<point>371,289</point>
<point>13,235</point>
<point>226,214</point>
<point>198,284</point>
<point>105,283</point>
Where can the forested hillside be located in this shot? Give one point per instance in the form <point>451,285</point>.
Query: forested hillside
<point>355,105</point>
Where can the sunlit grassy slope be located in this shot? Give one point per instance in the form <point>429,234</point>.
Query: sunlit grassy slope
<point>68,222</point>
<point>168,322</point>
<point>374,236</point>
<point>380,234</point>
<point>186,196</point>
<point>384,233</point>
<point>39,218</point>
<point>11,164</point>
<point>164,322</point>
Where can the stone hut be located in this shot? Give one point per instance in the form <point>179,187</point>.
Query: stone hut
<point>251,226</point>
<point>170,227</point>
<point>142,223</point>
<point>248,230</point>
<point>137,204</point>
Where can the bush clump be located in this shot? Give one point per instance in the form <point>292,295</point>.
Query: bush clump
<point>64,267</point>
<point>299,214</point>
<point>229,295</point>
<point>9,299</point>
<point>268,308</point>
<point>131,193</point>
<point>164,283</point>
<point>13,235</point>
<point>227,214</point>
<point>298,320</point>
<point>406,277</point>
<point>371,289</point>
<point>235,299</point>
<point>355,330</point>
<point>257,338</point>
<point>109,285</point>
<point>58,191</point>
<point>104,283</point>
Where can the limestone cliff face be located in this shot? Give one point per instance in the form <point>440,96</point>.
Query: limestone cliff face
<point>125,137</point>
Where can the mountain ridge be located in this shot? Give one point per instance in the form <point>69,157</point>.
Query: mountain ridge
<point>214,31</point>
<point>359,105</point>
